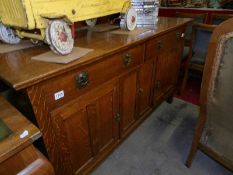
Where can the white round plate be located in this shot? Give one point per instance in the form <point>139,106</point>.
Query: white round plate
<point>131,19</point>
<point>91,22</point>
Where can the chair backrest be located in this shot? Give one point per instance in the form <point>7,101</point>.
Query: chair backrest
<point>217,18</point>
<point>200,41</point>
<point>216,108</point>
<point>198,18</point>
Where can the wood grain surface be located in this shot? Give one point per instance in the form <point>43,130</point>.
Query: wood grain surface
<point>19,71</point>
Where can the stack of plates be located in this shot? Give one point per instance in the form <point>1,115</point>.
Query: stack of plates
<point>147,12</point>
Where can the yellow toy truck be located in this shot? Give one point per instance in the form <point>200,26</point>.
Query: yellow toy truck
<point>49,20</point>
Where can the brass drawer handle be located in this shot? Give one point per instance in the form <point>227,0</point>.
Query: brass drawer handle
<point>82,80</point>
<point>159,44</point>
<point>127,59</point>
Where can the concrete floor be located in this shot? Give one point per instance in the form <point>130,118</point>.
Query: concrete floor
<point>160,146</point>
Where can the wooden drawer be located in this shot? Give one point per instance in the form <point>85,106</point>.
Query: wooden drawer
<point>159,44</point>
<point>152,48</point>
<point>75,83</point>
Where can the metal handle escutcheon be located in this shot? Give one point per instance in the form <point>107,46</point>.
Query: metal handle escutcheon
<point>127,59</point>
<point>159,44</point>
<point>82,80</point>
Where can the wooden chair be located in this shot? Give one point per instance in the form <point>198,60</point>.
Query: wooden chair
<point>217,19</point>
<point>187,52</point>
<point>198,18</point>
<point>214,132</point>
<point>200,39</point>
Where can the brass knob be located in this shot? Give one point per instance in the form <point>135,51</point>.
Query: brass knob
<point>127,59</point>
<point>117,117</point>
<point>140,90</point>
<point>158,84</point>
<point>159,44</point>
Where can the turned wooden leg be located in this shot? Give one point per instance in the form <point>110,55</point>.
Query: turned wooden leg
<point>192,153</point>
<point>186,67</point>
<point>196,140</point>
<point>184,81</point>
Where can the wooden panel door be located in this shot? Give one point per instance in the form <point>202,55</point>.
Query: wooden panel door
<point>104,125</point>
<point>86,127</point>
<point>128,94</point>
<point>145,86</point>
<point>167,65</point>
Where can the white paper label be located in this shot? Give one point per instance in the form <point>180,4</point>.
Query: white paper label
<point>59,95</point>
<point>24,134</point>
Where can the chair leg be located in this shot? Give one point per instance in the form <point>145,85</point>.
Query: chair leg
<point>196,140</point>
<point>192,153</point>
<point>184,81</point>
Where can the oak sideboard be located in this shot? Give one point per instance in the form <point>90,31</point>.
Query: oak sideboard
<point>86,108</point>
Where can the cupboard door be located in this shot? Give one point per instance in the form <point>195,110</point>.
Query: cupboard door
<point>144,89</point>
<point>86,127</point>
<point>167,66</point>
<point>103,122</point>
<point>128,92</point>
<point>72,131</point>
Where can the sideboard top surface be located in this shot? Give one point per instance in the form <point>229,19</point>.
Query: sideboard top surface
<point>19,71</point>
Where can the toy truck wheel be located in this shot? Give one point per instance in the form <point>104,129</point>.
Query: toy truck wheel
<point>7,35</point>
<point>59,37</point>
<point>129,20</point>
<point>91,22</point>
<point>47,39</point>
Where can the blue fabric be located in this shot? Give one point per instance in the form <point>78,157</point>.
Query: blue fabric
<point>188,32</point>
<point>200,46</point>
